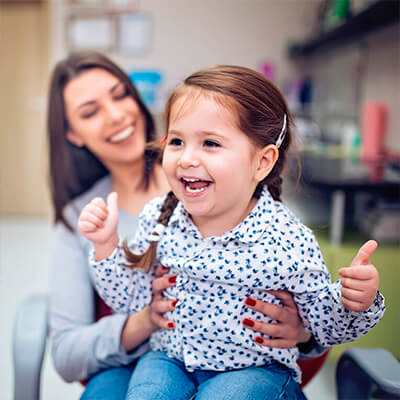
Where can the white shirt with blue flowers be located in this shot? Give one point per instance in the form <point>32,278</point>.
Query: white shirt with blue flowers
<point>270,249</point>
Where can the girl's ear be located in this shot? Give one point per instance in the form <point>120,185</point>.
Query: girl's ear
<point>267,158</point>
<point>74,139</point>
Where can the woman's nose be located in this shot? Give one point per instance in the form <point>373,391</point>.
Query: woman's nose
<point>114,113</point>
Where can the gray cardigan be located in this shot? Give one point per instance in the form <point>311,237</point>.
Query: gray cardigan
<point>80,346</point>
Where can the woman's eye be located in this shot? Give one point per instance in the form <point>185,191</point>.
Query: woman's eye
<point>175,142</point>
<point>88,114</point>
<point>121,94</point>
<point>211,143</point>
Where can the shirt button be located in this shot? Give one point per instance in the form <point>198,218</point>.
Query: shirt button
<point>181,298</point>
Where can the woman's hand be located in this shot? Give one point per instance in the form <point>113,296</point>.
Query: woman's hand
<point>140,325</point>
<point>288,329</point>
<point>159,305</point>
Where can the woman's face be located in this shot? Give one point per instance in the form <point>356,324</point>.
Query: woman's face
<point>104,117</point>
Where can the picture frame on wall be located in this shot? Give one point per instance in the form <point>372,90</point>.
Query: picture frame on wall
<point>121,6</point>
<point>134,33</point>
<point>96,32</point>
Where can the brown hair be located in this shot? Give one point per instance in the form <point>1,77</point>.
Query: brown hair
<point>73,170</point>
<point>259,107</point>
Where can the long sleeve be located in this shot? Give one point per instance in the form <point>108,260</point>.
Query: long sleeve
<point>325,316</point>
<point>320,303</point>
<point>80,346</point>
<point>123,288</point>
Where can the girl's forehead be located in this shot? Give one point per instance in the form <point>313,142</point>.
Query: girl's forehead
<point>190,97</point>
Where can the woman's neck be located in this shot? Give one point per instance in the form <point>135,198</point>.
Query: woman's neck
<point>131,195</point>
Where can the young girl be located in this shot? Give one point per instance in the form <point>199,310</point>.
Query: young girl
<point>225,233</point>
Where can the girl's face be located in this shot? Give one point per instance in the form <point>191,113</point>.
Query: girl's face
<point>212,167</point>
<point>103,117</point>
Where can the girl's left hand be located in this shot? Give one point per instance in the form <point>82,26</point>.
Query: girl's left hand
<point>287,331</point>
<point>360,281</point>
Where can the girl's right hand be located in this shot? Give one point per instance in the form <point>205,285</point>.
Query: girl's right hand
<point>159,305</point>
<point>98,222</point>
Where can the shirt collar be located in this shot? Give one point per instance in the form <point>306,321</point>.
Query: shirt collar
<point>248,231</point>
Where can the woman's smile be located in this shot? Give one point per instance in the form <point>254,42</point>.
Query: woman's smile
<point>123,135</point>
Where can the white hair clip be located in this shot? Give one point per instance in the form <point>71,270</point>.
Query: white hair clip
<point>157,233</point>
<point>282,134</point>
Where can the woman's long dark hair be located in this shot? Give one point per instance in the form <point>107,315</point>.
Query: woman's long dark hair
<point>73,170</point>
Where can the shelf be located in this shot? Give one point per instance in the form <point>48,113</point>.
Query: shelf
<point>379,15</point>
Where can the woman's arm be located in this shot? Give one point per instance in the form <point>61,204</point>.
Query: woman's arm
<point>80,346</point>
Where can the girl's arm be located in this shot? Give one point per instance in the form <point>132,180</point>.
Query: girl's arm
<point>98,223</point>
<point>335,314</point>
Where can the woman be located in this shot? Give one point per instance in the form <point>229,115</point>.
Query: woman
<point>98,131</point>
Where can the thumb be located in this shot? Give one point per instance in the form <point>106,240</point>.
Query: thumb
<point>112,203</point>
<point>365,252</point>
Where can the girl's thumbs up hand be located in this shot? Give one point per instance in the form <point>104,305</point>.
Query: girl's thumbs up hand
<point>360,281</point>
<point>98,222</point>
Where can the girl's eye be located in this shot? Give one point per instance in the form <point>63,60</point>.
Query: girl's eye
<point>121,94</point>
<point>175,142</point>
<point>211,143</point>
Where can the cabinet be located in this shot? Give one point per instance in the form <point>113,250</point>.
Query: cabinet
<point>380,14</point>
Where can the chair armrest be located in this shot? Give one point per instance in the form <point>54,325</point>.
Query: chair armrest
<point>359,369</point>
<point>29,343</point>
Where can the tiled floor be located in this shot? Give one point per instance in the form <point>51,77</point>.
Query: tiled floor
<point>24,250</point>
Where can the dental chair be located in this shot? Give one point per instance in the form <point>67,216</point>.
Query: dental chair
<point>359,371</point>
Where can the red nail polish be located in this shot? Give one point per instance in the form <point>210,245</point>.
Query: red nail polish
<point>248,322</point>
<point>172,279</point>
<point>164,268</point>
<point>259,339</point>
<point>250,302</point>
<point>174,303</point>
<point>171,325</point>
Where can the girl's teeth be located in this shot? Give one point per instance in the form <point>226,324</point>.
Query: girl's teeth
<point>122,135</point>
<point>195,190</point>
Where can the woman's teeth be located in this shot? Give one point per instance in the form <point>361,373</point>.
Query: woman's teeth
<point>122,135</point>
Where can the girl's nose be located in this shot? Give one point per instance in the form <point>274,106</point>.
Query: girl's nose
<point>188,159</point>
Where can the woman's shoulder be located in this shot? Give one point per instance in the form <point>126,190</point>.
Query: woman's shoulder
<point>100,188</point>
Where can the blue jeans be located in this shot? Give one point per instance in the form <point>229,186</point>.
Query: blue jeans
<point>110,384</point>
<point>158,377</point>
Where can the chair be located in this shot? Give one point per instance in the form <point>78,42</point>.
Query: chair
<point>360,371</point>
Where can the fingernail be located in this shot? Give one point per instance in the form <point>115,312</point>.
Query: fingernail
<point>250,302</point>
<point>171,325</point>
<point>248,322</point>
<point>172,279</point>
<point>164,268</point>
<point>259,339</point>
<point>174,303</point>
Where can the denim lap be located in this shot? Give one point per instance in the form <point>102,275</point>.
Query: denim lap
<point>253,383</point>
<point>159,377</point>
<point>110,384</point>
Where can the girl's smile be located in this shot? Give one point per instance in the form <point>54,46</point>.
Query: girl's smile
<point>210,165</point>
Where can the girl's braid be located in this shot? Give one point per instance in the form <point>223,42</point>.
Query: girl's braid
<point>146,260</point>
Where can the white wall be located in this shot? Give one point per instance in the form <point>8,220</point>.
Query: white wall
<point>191,34</point>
